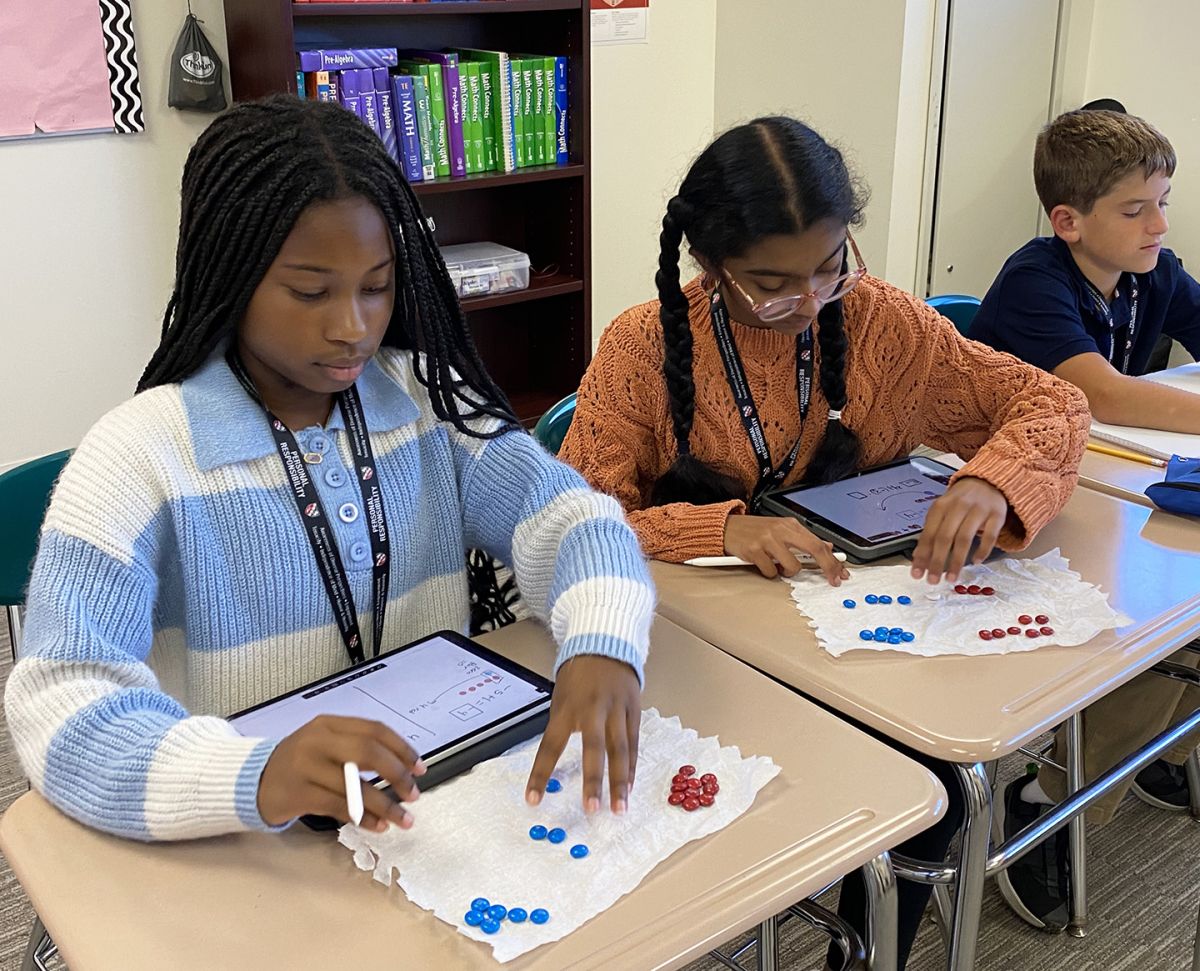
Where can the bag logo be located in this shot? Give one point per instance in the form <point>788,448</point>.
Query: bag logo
<point>198,65</point>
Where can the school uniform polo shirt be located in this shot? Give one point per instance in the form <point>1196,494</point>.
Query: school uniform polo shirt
<point>1042,309</point>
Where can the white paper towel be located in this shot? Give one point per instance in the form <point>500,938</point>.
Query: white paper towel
<point>471,837</point>
<point>946,622</point>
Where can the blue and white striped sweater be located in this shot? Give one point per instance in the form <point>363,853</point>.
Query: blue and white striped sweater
<point>174,585</point>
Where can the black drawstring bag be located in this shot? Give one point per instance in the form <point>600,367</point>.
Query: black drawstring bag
<point>196,71</point>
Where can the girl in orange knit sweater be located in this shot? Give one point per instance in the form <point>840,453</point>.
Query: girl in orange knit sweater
<point>786,362</point>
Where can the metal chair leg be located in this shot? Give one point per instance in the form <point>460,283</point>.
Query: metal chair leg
<point>14,629</point>
<point>1076,833</point>
<point>39,950</point>
<point>1192,769</point>
<point>882,934</point>
<point>1196,946</point>
<point>972,866</point>
<point>768,944</point>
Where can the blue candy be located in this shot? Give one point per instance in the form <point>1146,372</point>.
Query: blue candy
<point>497,911</point>
<point>871,598</point>
<point>539,916</point>
<point>893,638</point>
<point>553,785</point>
<point>907,636</point>
<point>896,630</point>
<point>579,851</point>
<point>882,630</point>
<point>904,600</point>
<point>480,903</point>
<point>537,832</point>
<point>885,599</point>
<point>474,917</point>
<point>866,635</point>
<point>517,915</point>
<point>556,835</point>
<point>490,926</point>
<point>848,603</point>
<point>881,638</point>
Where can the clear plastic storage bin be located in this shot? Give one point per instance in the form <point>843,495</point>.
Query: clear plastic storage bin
<point>479,268</point>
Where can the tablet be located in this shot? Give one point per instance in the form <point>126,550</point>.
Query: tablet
<point>870,514</point>
<point>455,702</point>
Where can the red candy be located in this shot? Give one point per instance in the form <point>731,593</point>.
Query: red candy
<point>986,591</point>
<point>707,778</point>
<point>1047,631</point>
<point>998,632</point>
<point>678,786</point>
<point>1031,633</point>
<point>1014,630</point>
<point>691,804</point>
<point>706,799</point>
<point>712,788</point>
<point>985,635</point>
<point>687,770</point>
<point>973,589</point>
<point>678,778</point>
<point>1024,619</point>
<point>1042,619</point>
<point>675,798</point>
<point>959,588</point>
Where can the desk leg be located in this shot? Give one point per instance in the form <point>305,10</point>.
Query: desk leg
<point>1196,948</point>
<point>972,865</point>
<point>768,944</point>
<point>882,914</point>
<point>1077,836</point>
<point>1192,768</point>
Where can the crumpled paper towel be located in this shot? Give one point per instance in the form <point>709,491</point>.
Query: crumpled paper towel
<point>471,835</point>
<point>946,622</point>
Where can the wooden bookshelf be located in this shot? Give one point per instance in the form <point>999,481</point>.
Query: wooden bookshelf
<point>535,342</point>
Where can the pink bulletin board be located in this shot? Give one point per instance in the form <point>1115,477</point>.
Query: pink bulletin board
<point>70,66</point>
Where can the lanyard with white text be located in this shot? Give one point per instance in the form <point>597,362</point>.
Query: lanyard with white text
<point>316,523</point>
<point>769,476</point>
<point>1105,312</point>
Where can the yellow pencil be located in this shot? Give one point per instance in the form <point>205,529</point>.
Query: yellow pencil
<point>1123,454</point>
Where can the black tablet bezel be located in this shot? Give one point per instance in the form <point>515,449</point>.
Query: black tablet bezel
<point>490,657</point>
<point>782,497</point>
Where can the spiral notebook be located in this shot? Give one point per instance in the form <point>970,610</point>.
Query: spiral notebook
<point>1151,441</point>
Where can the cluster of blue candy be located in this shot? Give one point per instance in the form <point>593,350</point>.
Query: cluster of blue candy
<point>488,916</point>
<point>557,835</point>
<point>887,635</point>
<point>882,598</point>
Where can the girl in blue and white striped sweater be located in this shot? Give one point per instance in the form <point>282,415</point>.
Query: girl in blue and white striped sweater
<point>316,397</point>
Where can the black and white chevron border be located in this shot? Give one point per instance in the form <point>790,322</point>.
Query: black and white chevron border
<point>116,22</point>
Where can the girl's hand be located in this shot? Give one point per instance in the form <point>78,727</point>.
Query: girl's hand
<point>768,541</point>
<point>305,773</point>
<point>969,508</point>
<point>601,698</point>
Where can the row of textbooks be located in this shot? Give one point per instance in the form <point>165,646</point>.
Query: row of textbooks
<point>448,113</point>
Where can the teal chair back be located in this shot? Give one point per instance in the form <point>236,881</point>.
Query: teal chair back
<point>958,307</point>
<point>24,496</point>
<point>552,427</point>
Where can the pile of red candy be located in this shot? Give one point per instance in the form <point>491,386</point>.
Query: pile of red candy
<point>691,791</point>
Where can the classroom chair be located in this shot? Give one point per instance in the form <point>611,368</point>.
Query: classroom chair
<point>24,496</point>
<point>552,427</point>
<point>960,308</point>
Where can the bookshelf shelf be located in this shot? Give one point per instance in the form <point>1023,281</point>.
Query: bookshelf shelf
<point>484,180</point>
<point>535,342</point>
<point>458,8</point>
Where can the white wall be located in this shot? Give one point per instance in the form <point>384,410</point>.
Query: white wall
<point>88,250</point>
<point>652,113</point>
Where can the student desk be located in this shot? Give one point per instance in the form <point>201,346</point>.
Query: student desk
<point>296,900</point>
<point>972,710</point>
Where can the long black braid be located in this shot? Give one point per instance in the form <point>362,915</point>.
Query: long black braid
<point>729,201</point>
<point>247,179</point>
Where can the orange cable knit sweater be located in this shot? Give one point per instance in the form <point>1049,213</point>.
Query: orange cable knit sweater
<point>911,380</point>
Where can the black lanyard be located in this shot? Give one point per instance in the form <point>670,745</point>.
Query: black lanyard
<point>316,523</point>
<point>1105,313</point>
<point>769,475</point>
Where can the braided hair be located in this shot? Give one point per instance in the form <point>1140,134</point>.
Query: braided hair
<point>728,201</point>
<point>247,179</point>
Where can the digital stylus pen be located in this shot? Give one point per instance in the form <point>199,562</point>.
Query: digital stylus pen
<point>354,803</point>
<point>804,558</point>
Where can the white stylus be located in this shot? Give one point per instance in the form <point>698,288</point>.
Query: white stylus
<point>354,803</point>
<point>738,561</point>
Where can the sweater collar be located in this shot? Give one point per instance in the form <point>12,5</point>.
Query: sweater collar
<point>227,426</point>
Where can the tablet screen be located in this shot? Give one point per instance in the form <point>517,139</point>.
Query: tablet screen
<point>876,505</point>
<point>434,693</point>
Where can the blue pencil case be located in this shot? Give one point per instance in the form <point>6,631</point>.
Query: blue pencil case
<point>1179,492</point>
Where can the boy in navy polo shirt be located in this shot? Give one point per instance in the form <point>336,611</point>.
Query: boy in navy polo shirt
<point>1089,304</point>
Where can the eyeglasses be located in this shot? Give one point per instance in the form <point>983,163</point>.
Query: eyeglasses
<point>780,307</point>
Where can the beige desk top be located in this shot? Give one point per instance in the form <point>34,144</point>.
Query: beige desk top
<point>1122,478</point>
<point>967,709</point>
<point>296,900</point>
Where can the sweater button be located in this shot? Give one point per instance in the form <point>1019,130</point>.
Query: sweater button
<point>358,551</point>
<point>335,477</point>
<point>347,512</point>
